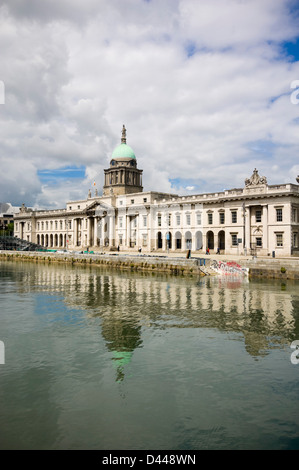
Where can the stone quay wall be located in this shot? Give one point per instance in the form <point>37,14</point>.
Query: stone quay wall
<point>266,268</point>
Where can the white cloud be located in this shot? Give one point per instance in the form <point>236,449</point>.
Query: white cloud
<point>75,72</point>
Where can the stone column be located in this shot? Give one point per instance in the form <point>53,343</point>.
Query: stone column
<point>75,225</point>
<point>88,231</point>
<point>96,235</point>
<point>111,230</point>
<point>247,229</point>
<point>265,227</point>
<point>128,230</point>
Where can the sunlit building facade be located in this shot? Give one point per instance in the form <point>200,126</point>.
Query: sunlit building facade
<point>257,218</point>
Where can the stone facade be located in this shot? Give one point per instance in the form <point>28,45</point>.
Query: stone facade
<point>258,218</point>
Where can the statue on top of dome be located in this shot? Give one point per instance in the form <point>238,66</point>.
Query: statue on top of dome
<point>124,135</point>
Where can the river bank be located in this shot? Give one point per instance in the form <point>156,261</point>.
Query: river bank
<point>204,265</point>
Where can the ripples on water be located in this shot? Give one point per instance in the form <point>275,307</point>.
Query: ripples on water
<point>98,359</point>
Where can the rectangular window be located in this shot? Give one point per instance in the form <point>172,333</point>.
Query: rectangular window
<point>61,224</point>
<point>188,219</point>
<point>294,215</point>
<point>120,239</point>
<point>144,220</point>
<point>210,218</point>
<point>178,220</point>
<point>279,239</point>
<point>144,239</point>
<point>169,220</point>
<point>234,217</point>
<point>295,240</point>
<point>56,224</point>
<point>278,215</point>
<point>198,218</point>
<point>42,225</point>
<point>258,241</point>
<point>144,199</point>
<point>120,222</point>
<point>132,201</point>
<point>70,224</point>
<point>17,226</point>
<point>221,218</point>
<point>159,220</point>
<point>234,239</point>
<point>47,225</point>
<point>258,215</point>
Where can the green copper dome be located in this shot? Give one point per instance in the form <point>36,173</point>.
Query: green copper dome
<point>123,151</point>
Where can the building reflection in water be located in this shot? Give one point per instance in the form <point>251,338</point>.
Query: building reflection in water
<point>265,313</point>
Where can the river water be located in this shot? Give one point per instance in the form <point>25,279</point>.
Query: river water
<point>97,359</point>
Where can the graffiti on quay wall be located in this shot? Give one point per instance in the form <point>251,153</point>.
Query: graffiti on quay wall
<point>228,268</point>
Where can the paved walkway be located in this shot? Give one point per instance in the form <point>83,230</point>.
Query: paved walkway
<point>195,254</point>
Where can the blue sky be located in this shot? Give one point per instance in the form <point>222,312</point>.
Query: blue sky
<point>55,176</point>
<point>203,87</point>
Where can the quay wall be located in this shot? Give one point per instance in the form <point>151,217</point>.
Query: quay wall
<point>267,268</point>
<point>175,266</point>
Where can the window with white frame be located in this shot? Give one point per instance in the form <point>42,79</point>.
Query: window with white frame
<point>188,219</point>
<point>279,214</point>
<point>120,239</point>
<point>120,222</point>
<point>295,239</point>
<point>178,219</point>
<point>144,239</point>
<point>279,239</point>
<point>198,218</point>
<point>144,220</point>
<point>210,218</point>
<point>221,218</point>
<point>159,220</point>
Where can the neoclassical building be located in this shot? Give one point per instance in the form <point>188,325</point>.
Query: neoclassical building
<point>257,218</point>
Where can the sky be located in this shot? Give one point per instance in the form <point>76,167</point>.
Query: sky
<point>208,90</point>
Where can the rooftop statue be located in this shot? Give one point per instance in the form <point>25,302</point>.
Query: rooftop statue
<point>255,179</point>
